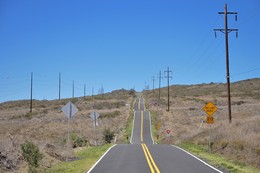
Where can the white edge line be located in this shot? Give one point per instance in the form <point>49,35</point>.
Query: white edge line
<point>100,159</point>
<point>151,126</point>
<point>132,129</point>
<point>198,159</point>
<point>133,124</point>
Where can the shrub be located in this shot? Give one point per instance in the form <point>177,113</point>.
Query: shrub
<point>110,114</point>
<point>108,135</point>
<point>30,114</point>
<point>32,155</point>
<point>78,141</point>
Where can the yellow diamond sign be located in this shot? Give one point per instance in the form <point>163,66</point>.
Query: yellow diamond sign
<point>210,108</point>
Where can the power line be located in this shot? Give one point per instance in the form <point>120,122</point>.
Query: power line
<point>245,72</point>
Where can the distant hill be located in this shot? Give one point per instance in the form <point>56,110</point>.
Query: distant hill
<point>236,141</point>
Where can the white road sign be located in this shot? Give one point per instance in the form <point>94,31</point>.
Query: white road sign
<point>94,116</point>
<point>69,110</point>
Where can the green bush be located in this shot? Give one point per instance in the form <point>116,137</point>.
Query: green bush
<point>108,136</point>
<point>32,155</point>
<point>78,141</point>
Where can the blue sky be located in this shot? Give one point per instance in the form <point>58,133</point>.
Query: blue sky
<point>121,44</point>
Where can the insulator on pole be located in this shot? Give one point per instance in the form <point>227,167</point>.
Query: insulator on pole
<point>215,34</point>
<point>236,34</point>
<point>236,17</point>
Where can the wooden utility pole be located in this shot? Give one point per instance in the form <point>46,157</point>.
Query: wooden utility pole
<point>73,89</point>
<point>226,30</point>
<point>84,90</point>
<point>153,84</point>
<point>160,77</point>
<point>168,72</point>
<point>59,84</point>
<point>31,91</point>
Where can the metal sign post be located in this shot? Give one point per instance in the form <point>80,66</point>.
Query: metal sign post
<point>94,116</point>
<point>210,109</point>
<point>69,110</point>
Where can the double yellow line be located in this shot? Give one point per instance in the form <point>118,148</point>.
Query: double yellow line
<point>153,167</point>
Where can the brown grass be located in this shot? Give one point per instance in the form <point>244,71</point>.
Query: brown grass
<point>46,126</point>
<point>237,141</point>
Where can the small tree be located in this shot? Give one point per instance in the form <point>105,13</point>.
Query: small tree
<point>108,135</point>
<point>31,154</point>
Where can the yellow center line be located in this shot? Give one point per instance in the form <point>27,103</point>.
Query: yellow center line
<point>153,167</point>
<point>147,159</point>
<point>149,154</point>
<point>142,122</point>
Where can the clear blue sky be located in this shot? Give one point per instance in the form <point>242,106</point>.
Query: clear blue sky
<point>121,44</point>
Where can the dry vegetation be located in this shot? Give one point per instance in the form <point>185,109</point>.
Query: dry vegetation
<point>237,141</point>
<point>46,126</point>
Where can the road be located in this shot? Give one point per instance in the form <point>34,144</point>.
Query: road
<point>143,156</point>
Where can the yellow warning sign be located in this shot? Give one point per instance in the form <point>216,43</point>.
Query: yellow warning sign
<point>158,125</point>
<point>210,108</point>
<point>210,119</point>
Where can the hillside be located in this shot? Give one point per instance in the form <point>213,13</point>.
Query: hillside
<point>46,126</point>
<point>237,141</point>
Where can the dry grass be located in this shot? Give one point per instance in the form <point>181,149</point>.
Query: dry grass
<point>237,141</point>
<point>46,126</point>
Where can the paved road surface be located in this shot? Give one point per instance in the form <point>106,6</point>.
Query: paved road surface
<point>143,156</point>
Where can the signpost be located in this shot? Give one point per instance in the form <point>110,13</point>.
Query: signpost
<point>210,109</point>
<point>94,116</point>
<point>210,119</point>
<point>69,110</point>
<point>168,132</point>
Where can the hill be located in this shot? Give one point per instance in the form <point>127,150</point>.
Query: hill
<point>47,125</point>
<point>238,141</point>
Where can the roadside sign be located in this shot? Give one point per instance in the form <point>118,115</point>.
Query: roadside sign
<point>210,119</point>
<point>168,131</point>
<point>69,110</point>
<point>158,125</point>
<point>210,108</point>
<point>94,116</point>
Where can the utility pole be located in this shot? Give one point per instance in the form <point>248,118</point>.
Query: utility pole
<point>84,90</point>
<point>226,30</point>
<point>92,92</point>
<point>31,91</point>
<point>160,77</point>
<point>73,89</point>
<point>153,84</point>
<point>168,72</point>
<point>59,84</point>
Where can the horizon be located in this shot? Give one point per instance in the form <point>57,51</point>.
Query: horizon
<point>97,94</point>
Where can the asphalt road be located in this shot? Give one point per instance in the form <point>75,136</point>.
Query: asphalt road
<point>143,156</point>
